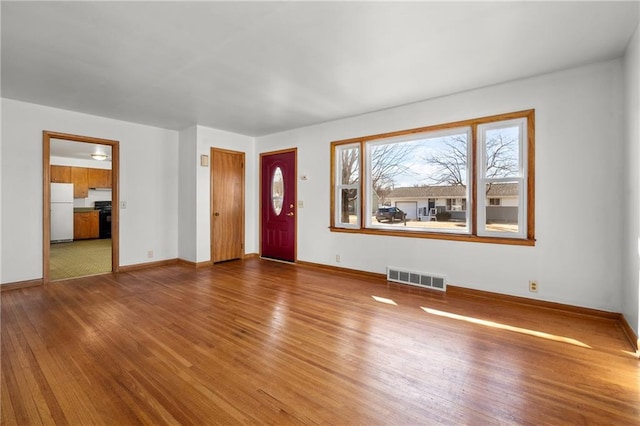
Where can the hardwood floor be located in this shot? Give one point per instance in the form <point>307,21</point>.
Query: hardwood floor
<point>262,342</point>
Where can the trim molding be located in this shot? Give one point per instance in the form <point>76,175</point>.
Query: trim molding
<point>251,256</point>
<point>137,266</point>
<point>21,284</point>
<point>197,265</point>
<point>46,196</point>
<point>472,293</point>
<point>457,291</point>
<point>343,270</point>
<point>631,335</point>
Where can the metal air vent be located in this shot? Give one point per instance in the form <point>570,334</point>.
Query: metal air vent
<point>419,279</point>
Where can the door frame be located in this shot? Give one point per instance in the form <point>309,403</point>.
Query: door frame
<point>211,206</point>
<point>295,191</point>
<point>46,197</point>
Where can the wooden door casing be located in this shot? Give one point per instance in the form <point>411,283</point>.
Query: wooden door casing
<point>278,228</point>
<point>47,136</point>
<point>227,205</point>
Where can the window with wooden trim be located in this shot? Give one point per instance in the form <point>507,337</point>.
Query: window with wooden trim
<point>471,180</point>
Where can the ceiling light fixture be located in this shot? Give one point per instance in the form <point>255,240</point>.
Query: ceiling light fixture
<point>100,156</point>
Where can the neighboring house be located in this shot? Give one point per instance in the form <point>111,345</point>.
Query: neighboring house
<point>418,201</point>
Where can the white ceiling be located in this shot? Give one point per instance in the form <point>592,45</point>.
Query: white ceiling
<point>257,68</point>
<point>78,150</point>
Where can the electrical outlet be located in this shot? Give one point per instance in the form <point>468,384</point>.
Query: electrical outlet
<point>337,258</point>
<point>150,254</point>
<point>533,286</point>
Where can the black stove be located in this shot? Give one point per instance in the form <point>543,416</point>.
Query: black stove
<point>104,208</point>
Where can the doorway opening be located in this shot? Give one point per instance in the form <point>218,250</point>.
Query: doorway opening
<point>80,184</point>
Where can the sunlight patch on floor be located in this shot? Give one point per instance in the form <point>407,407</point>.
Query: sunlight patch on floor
<point>507,327</point>
<point>384,300</point>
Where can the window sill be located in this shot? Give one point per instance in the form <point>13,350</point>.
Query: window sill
<point>438,236</point>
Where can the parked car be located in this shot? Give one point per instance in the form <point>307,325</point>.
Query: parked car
<point>390,214</point>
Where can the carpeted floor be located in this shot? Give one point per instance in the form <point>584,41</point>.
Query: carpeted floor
<point>80,258</point>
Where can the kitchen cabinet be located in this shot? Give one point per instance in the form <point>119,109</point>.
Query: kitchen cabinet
<point>80,180</point>
<point>61,174</point>
<point>86,225</point>
<point>99,178</point>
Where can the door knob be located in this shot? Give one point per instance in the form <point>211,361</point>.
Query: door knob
<point>216,214</point>
<point>290,214</point>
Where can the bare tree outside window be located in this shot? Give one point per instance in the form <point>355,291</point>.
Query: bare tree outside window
<point>450,162</point>
<point>350,165</point>
<point>502,155</point>
<point>388,161</point>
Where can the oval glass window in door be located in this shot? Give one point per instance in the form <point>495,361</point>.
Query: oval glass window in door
<point>277,191</point>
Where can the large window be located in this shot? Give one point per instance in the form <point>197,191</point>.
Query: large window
<point>470,180</point>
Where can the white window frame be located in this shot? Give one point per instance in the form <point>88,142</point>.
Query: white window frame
<point>339,186</point>
<point>520,179</point>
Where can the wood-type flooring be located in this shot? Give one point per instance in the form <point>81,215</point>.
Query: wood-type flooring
<point>259,342</point>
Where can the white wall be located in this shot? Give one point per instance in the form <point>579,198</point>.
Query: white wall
<point>93,196</point>
<point>148,183</point>
<point>78,162</point>
<point>631,222</point>
<point>1,194</point>
<point>187,232</point>
<point>577,258</point>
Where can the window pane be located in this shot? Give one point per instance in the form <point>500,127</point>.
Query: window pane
<point>349,158</point>
<point>348,207</point>
<point>502,152</point>
<point>347,202</point>
<point>502,207</point>
<point>426,177</point>
<point>277,191</point>
<point>440,160</point>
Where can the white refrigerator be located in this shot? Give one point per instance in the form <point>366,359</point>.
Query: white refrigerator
<point>61,212</point>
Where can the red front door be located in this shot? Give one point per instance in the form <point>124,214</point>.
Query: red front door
<point>278,205</point>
